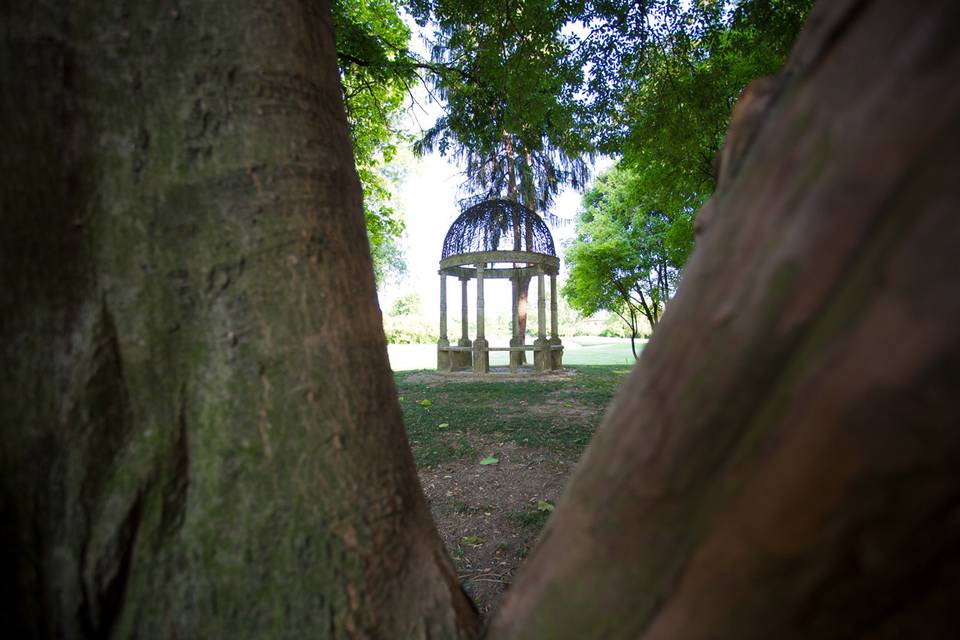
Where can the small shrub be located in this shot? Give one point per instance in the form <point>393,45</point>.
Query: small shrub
<point>408,330</point>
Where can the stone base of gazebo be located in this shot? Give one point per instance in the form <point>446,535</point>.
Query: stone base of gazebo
<point>556,354</point>
<point>457,357</point>
<point>496,373</point>
<point>547,356</point>
<point>481,356</point>
<point>443,354</point>
<point>475,356</point>
<point>542,358</point>
<point>462,360</point>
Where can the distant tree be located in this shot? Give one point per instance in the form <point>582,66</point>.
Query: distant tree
<point>377,70</point>
<point>661,78</point>
<point>627,255</point>
<point>406,304</point>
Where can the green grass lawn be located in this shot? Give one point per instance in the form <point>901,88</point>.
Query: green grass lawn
<point>448,421</point>
<point>579,350</point>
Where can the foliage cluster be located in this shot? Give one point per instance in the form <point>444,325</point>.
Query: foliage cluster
<point>678,99</point>
<point>407,304</point>
<point>376,72</point>
<point>665,77</point>
<point>509,79</point>
<point>627,255</point>
<point>409,330</point>
<point>405,323</point>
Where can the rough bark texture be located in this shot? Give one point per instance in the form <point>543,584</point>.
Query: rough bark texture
<point>200,433</point>
<point>782,463</point>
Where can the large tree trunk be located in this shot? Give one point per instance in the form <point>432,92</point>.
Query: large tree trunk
<point>783,461</point>
<point>200,432</point>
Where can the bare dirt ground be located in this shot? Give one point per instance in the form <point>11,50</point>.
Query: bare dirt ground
<point>494,454</point>
<point>488,516</point>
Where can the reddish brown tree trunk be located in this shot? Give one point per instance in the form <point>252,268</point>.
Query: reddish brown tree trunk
<point>783,461</point>
<point>200,432</point>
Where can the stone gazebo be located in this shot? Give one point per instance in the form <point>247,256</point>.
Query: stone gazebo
<point>475,247</point>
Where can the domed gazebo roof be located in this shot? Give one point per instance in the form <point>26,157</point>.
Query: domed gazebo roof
<point>480,245</point>
<point>488,226</point>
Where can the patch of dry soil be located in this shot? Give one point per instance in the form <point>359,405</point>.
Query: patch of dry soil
<point>477,511</point>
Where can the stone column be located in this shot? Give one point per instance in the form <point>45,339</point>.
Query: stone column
<point>541,347</point>
<point>480,327</point>
<point>443,307</point>
<point>556,347</point>
<point>516,357</point>
<point>464,314</point>
<point>443,352</point>
<point>463,359</point>
<point>554,333</point>
<point>515,300</point>
<point>541,307</point>
<point>481,356</point>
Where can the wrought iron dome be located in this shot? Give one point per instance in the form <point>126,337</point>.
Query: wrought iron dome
<point>488,226</point>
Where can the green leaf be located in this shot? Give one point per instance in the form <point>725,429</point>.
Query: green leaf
<point>472,541</point>
<point>490,460</point>
<point>543,505</point>
<point>443,425</point>
<point>424,403</point>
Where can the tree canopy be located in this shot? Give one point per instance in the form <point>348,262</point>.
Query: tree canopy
<point>677,98</point>
<point>627,255</point>
<point>532,90</point>
<point>663,85</point>
<point>509,79</point>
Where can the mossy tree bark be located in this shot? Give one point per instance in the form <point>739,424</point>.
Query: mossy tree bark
<point>200,433</point>
<point>782,463</point>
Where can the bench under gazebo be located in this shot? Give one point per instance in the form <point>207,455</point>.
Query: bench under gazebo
<point>480,245</point>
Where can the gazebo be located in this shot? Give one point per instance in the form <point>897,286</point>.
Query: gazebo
<point>480,245</point>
